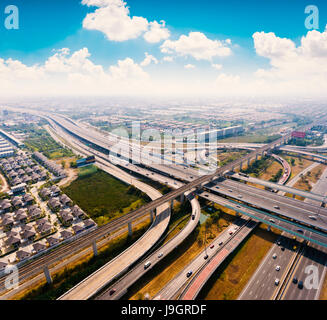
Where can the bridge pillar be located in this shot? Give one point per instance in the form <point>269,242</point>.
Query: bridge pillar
<point>182,198</point>
<point>130,229</point>
<point>172,205</point>
<point>241,164</point>
<point>95,249</point>
<point>256,157</point>
<point>47,274</point>
<point>269,228</point>
<point>249,160</point>
<point>152,215</point>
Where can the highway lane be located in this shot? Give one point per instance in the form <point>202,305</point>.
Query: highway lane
<point>173,287</point>
<point>313,255</point>
<point>198,281</point>
<point>261,285</point>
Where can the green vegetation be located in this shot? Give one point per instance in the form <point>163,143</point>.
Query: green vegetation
<point>102,196</point>
<point>315,141</point>
<point>87,171</point>
<point>40,140</point>
<point>252,138</point>
<point>277,176</point>
<point>258,166</point>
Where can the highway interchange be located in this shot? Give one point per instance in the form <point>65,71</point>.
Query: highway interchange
<point>234,194</point>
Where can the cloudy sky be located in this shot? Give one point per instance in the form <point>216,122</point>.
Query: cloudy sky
<point>171,47</point>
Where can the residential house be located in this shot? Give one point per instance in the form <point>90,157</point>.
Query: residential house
<point>28,199</point>
<point>45,193</point>
<point>65,234</point>
<point>28,235</point>
<point>77,229</point>
<point>13,242</point>
<point>65,200</point>
<point>44,229</point>
<point>54,204</point>
<point>77,212</point>
<point>38,247</point>
<point>53,241</point>
<point>89,223</point>
<point>55,191</point>
<point>22,255</point>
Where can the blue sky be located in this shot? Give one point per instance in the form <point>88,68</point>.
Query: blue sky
<point>48,25</point>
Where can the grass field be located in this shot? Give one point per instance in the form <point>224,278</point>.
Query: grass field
<point>40,140</point>
<point>102,196</point>
<point>251,138</point>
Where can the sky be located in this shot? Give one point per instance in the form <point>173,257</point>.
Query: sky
<point>171,47</point>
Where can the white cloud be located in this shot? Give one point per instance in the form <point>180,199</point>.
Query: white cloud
<point>113,19</point>
<point>157,32</point>
<point>72,73</point>
<point>293,68</point>
<point>197,45</point>
<point>189,66</point>
<point>168,59</point>
<point>148,59</point>
<point>217,66</point>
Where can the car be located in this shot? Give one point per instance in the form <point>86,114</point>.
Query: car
<point>160,255</point>
<point>220,243</point>
<point>300,230</point>
<point>193,216</point>
<point>300,285</point>
<point>282,248</point>
<point>272,220</point>
<point>230,190</point>
<point>295,280</point>
<point>274,256</point>
<point>191,177</point>
<point>206,257</point>
<point>206,195</point>
<point>112,291</point>
<point>217,187</point>
<point>212,246</point>
<point>277,282</point>
<point>313,217</point>
<point>238,206</point>
<point>147,264</point>
<point>240,196</point>
<point>231,232</point>
<point>277,268</point>
<point>277,207</point>
<point>189,273</point>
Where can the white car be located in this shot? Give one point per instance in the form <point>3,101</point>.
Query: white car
<point>277,268</point>
<point>276,282</point>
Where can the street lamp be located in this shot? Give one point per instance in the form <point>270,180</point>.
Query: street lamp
<point>205,242</point>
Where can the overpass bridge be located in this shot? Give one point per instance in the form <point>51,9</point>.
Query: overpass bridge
<point>279,187</point>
